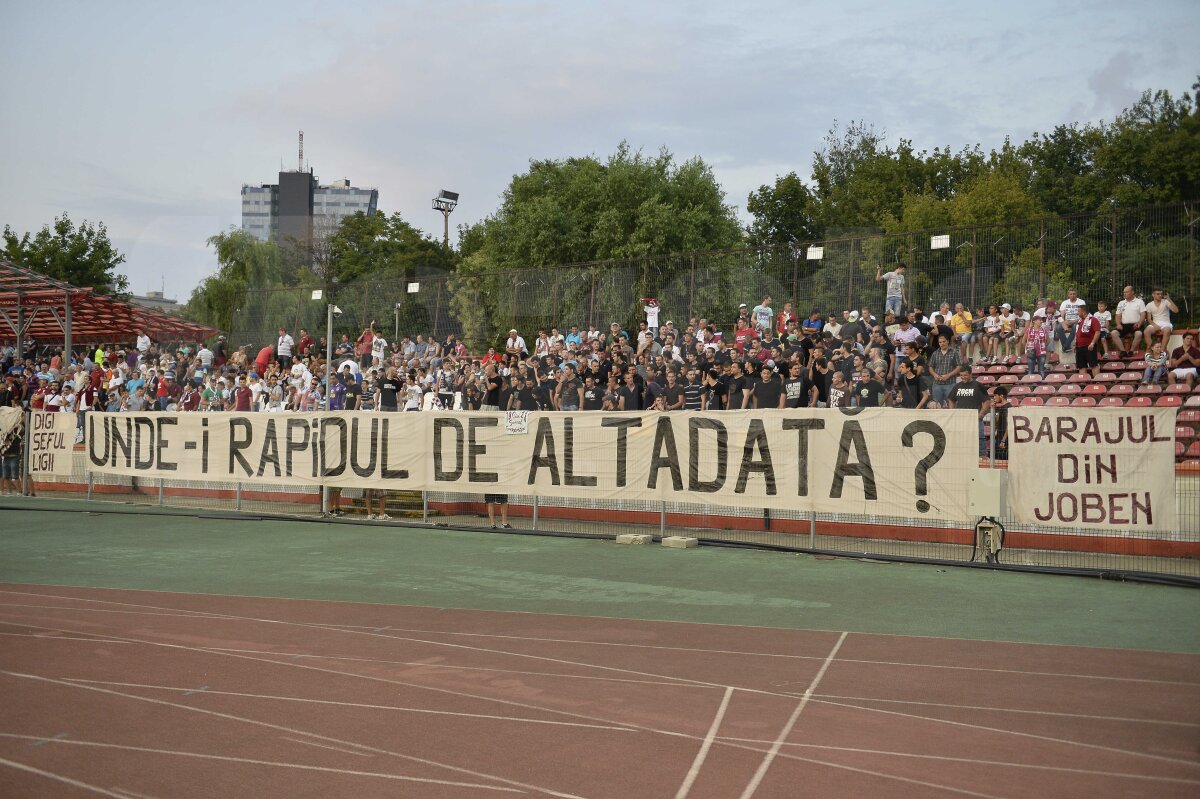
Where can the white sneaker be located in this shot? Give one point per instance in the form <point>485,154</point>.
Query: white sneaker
<point>383,517</point>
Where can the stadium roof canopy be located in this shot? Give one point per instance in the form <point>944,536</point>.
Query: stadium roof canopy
<point>52,312</point>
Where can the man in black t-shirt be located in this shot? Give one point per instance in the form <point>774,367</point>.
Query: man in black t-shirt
<point>673,393</point>
<point>970,393</point>
<point>570,390</point>
<point>492,386</point>
<point>629,393</point>
<point>796,388</point>
<point>820,376</point>
<point>768,391</point>
<point>716,391</point>
<point>523,396</point>
<point>868,390</point>
<point>352,399</point>
<point>593,396</point>
<point>387,390</point>
<point>913,391</point>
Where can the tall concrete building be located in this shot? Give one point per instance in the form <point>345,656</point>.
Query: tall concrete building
<point>299,207</point>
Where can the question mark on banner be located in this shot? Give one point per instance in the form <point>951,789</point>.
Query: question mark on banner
<point>921,473</point>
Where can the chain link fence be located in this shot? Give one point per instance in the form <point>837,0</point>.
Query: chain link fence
<point>1015,262</point>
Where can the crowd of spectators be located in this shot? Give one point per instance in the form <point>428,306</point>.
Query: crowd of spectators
<point>908,357</point>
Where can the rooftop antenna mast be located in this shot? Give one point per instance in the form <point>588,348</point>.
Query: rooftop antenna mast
<point>301,151</point>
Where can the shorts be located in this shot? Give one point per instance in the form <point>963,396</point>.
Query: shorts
<point>1128,330</point>
<point>568,407</point>
<point>1166,327</point>
<point>10,468</point>
<point>1086,358</point>
<point>966,338</point>
<point>1182,374</point>
<point>496,499</point>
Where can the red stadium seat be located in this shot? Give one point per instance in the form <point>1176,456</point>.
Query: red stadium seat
<point>1177,388</point>
<point>1188,417</point>
<point>1031,401</point>
<point>1168,401</point>
<point>997,369</point>
<point>1139,366</point>
<point>1180,449</point>
<point>1008,380</point>
<point>1130,377</point>
<point>1083,401</point>
<point>1138,355</point>
<point>1105,377</point>
<point>1070,388</point>
<point>1095,388</point>
<point>1192,401</point>
<point>1080,377</point>
<point>1139,401</point>
<point>986,379</point>
<point>1111,402</point>
<point>1111,355</point>
<point>1057,377</point>
<point>1113,366</point>
<point>1121,388</point>
<point>1193,450</point>
<point>1019,391</point>
<point>979,370</point>
<point>1034,378</point>
<point>1184,433</point>
<point>1150,389</point>
<point>1045,390</point>
<point>1058,401</point>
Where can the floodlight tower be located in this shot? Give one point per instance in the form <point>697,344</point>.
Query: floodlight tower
<point>445,202</point>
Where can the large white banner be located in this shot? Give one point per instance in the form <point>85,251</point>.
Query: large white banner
<point>1101,468</point>
<point>886,462</point>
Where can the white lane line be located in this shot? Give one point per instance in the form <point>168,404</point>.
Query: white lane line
<point>694,771</point>
<point>128,793</point>
<point>1122,719</point>
<point>364,705</point>
<point>292,730</point>
<point>50,775</point>
<point>752,786</point>
<point>1035,736</point>
<point>64,638</point>
<point>277,764</point>
<point>973,761</point>
<point>324,746</point>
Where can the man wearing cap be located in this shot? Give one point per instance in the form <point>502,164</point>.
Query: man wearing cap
<point>515,345</point>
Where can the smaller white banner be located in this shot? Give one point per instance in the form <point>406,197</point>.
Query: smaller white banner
<point>1103,468</point>
<point>51,439</point>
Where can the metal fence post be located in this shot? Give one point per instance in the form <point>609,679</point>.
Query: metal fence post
<point>992,436</point>
<point>90,478</point>
<point>237,496</point>
<point>425,507</point>
<point>812,529</point>
<point>160,491</point>
<point>26,483</point>
<point>535,511</point>
<point>662,519</point>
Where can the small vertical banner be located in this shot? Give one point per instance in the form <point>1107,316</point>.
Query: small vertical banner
<point>51,440</point>
<point>1093,468</point>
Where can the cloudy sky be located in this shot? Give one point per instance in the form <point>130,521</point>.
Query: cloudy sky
<point>150,116</point>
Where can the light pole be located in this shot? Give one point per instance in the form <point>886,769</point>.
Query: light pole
<point>331,311</point>
<point>445,202</point>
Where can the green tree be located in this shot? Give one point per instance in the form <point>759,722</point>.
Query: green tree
<point>782,213</point>
<point>631,206</point>
<point>245,267</point>
<point>82,256</point>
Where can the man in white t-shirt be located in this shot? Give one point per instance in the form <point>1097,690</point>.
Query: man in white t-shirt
<point>650,306</point>
<point>378,350</point>
<point>283,349</point>
<point>515,345</point>
<point>763,315</point>
<point>143,344</point>
<point>1131,313</point>
<point>896,294</point>
<point>1158,313</point>
<point>1068,313</point>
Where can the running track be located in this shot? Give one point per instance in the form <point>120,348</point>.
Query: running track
<point>148,695</point>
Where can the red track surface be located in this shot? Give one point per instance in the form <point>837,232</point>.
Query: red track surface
<point>140,694</point>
